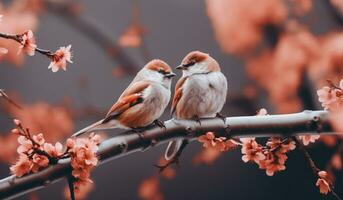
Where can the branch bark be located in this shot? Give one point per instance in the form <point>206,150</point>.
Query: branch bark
<point>306,122</point>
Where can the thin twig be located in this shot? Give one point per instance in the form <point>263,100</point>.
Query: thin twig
<point>312,164</point>
<point>70,180</point>
<point>7,98</point>
<point>18,38</point>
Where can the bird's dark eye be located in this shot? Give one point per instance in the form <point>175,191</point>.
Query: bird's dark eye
<point>189,64</point>
<point>162,71</point>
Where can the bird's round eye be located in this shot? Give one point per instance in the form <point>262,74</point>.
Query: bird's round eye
<point>191,63</point>
<point>161,71</point>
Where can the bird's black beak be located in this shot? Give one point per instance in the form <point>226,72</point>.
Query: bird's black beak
<point>170,75</point>
<point>182,67</point>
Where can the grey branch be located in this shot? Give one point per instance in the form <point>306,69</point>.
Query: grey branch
<point>306,122</point>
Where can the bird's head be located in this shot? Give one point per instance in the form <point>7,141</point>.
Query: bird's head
<point>159,71</point>
<point>197,62</point>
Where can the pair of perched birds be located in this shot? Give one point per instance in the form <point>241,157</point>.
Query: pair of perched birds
<point>199,93</point>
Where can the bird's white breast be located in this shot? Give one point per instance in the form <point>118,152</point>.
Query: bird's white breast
<point>156,98</point>
<point>203,95</point>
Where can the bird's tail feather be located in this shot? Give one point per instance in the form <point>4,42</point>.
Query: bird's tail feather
<point>99,125</point>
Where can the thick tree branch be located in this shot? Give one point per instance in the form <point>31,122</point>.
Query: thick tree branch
<point>306,122</point>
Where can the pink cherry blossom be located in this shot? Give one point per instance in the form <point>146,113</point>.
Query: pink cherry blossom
<point>287,146</point>
<point>22,166</point>
<point>322,183</point>
<point>220,143</point>
<point>331,97</point>
<point>25,145</point>
<point>83,156</point>
<point>39,139</point>
<point>60,58</point>
<point>207,139</point>
<point>251,150</point>
<point>307,139</point>
<point>28,43</point>
<point>53,151</point>
<point>39,162</point>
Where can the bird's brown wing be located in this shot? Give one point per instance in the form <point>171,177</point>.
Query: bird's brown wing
<point>177,93</point>
<point>131,96</point>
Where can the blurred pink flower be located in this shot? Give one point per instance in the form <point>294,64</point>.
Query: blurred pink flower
<point>150,189</point>
<point>9,145</point>
<point>206,156</point>
<point>41,118</point>
<point>60,58</point>
<point>3,50</point>
<point>238,24</point>
<point>336,161</point>
<point>336,119</point>
<point>132,37</point>
<point>28,43</point>
<point>274,66</point>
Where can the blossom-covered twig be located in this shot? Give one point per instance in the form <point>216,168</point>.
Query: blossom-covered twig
<point>89,28</point>
<point>323,183</point>
<point>36,154</point>
<point>128,142</point>
<point>28,44</point>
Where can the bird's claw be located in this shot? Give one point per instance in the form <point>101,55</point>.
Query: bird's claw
<point>197,119</point>
<point>160,123</point>
<point>221,116</point>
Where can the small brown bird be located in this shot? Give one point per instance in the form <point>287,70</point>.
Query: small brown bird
<point>200,93</point>
<point>143,101</point>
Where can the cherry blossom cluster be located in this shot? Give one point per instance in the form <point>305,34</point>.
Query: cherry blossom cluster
<point>331,97</point>
<point>271,157</point>
<point>219,143</point>
<point>36,154</point>
<point>28,45</point>
<point>83,157</point>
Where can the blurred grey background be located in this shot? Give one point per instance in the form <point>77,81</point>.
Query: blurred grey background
<point>174,28</point>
